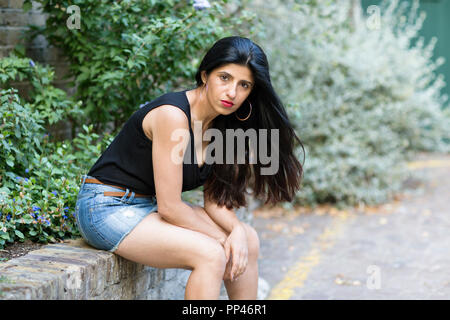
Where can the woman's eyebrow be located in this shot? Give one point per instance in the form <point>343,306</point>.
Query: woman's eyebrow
<point>233,77</point>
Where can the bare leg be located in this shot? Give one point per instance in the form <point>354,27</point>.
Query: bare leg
<point>245,287</point>
<point>157,243</point>
<point>203,284</point>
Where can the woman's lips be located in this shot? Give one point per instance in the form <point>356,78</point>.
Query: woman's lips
<point>226,104</point>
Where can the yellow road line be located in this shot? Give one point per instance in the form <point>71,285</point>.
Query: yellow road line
<point>428,164</point>
<point>297,275</point>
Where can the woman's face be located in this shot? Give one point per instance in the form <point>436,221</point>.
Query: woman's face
<point>231,82</point>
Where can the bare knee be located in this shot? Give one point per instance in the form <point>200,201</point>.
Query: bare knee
<point>252,241</point>
<point>213,258</point>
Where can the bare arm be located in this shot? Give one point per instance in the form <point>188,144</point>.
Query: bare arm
<point>224,217</point>
<point>167,153</point>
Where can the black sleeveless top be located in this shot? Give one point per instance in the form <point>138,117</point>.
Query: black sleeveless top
<point>127,162</point>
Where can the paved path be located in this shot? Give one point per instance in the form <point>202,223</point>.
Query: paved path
<point>401,250</point>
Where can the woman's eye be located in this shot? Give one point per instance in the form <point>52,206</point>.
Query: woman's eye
<point>223,77</point>
<point>246,85</point>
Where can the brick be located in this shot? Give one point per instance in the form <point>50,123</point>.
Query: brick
<point>4,51</point>
<point>13,18</point>
<point>3,37</point>
<point>16,4</point>
<point>47,283</point>
<point>15,36</point>
<point>37,18</point>
<point>18,291</point>
<point>77,271</point>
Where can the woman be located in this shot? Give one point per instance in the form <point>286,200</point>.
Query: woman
<point>130,200</point>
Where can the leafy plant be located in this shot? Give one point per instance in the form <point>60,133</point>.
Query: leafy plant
<point>124,53</point>
<point>363,100</point>
<point>39,178</point>
<point>51,103</point>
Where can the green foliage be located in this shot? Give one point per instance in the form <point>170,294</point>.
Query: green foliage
<point>127,52</point>
<point>51,103</point>
<point>39,178</point>
<point>362,99</point>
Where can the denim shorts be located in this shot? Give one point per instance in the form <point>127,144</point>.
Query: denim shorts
<point>104,221</point>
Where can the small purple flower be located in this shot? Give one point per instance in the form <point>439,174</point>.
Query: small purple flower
<point>27,170</point>
<point>201,4</point>
<point>65,217</point>
<point>55,193</point>
<point>66,208</point>
<point>32,63</point>
<point>8,217</point>
<point>32,214</point>
<point>26,179</point>
<point>35,208</point>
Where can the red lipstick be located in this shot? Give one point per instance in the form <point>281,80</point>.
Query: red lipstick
<point>227,104</point>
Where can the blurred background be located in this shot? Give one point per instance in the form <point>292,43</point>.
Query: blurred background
<point>365,84</point>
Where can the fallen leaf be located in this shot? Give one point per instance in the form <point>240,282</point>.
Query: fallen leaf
<point>426,212</point>
<point>277,227</point>
<point>297,230</point>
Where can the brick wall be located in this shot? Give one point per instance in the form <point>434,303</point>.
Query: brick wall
<point>13,21</point>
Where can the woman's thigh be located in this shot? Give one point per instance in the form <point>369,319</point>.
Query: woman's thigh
<point>157,243</point>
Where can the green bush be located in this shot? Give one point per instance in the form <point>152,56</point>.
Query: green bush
<point>128,52</point>
<point>363,100</point>
<point>39,178</point>
<point>52,103</point>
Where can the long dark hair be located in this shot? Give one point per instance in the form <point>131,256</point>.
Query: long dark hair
<point>228,183</point>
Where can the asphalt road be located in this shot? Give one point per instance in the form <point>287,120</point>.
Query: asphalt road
<point>400,250</point>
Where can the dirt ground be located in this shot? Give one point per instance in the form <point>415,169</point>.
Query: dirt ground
<point>18,249</point>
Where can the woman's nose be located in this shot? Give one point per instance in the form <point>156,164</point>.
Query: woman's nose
<point>232,92</point>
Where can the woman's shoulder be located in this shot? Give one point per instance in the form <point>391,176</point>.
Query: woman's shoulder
<point>167,115</point>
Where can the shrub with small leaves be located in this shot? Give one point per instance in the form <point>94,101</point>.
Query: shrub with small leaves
<point>39,178</point>
<point>52,103</point>
<point>362,100</point>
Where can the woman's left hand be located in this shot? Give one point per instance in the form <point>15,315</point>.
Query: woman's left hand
<point>236,246</point>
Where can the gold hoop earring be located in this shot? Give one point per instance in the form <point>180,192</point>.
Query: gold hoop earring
<point>248,114</point>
